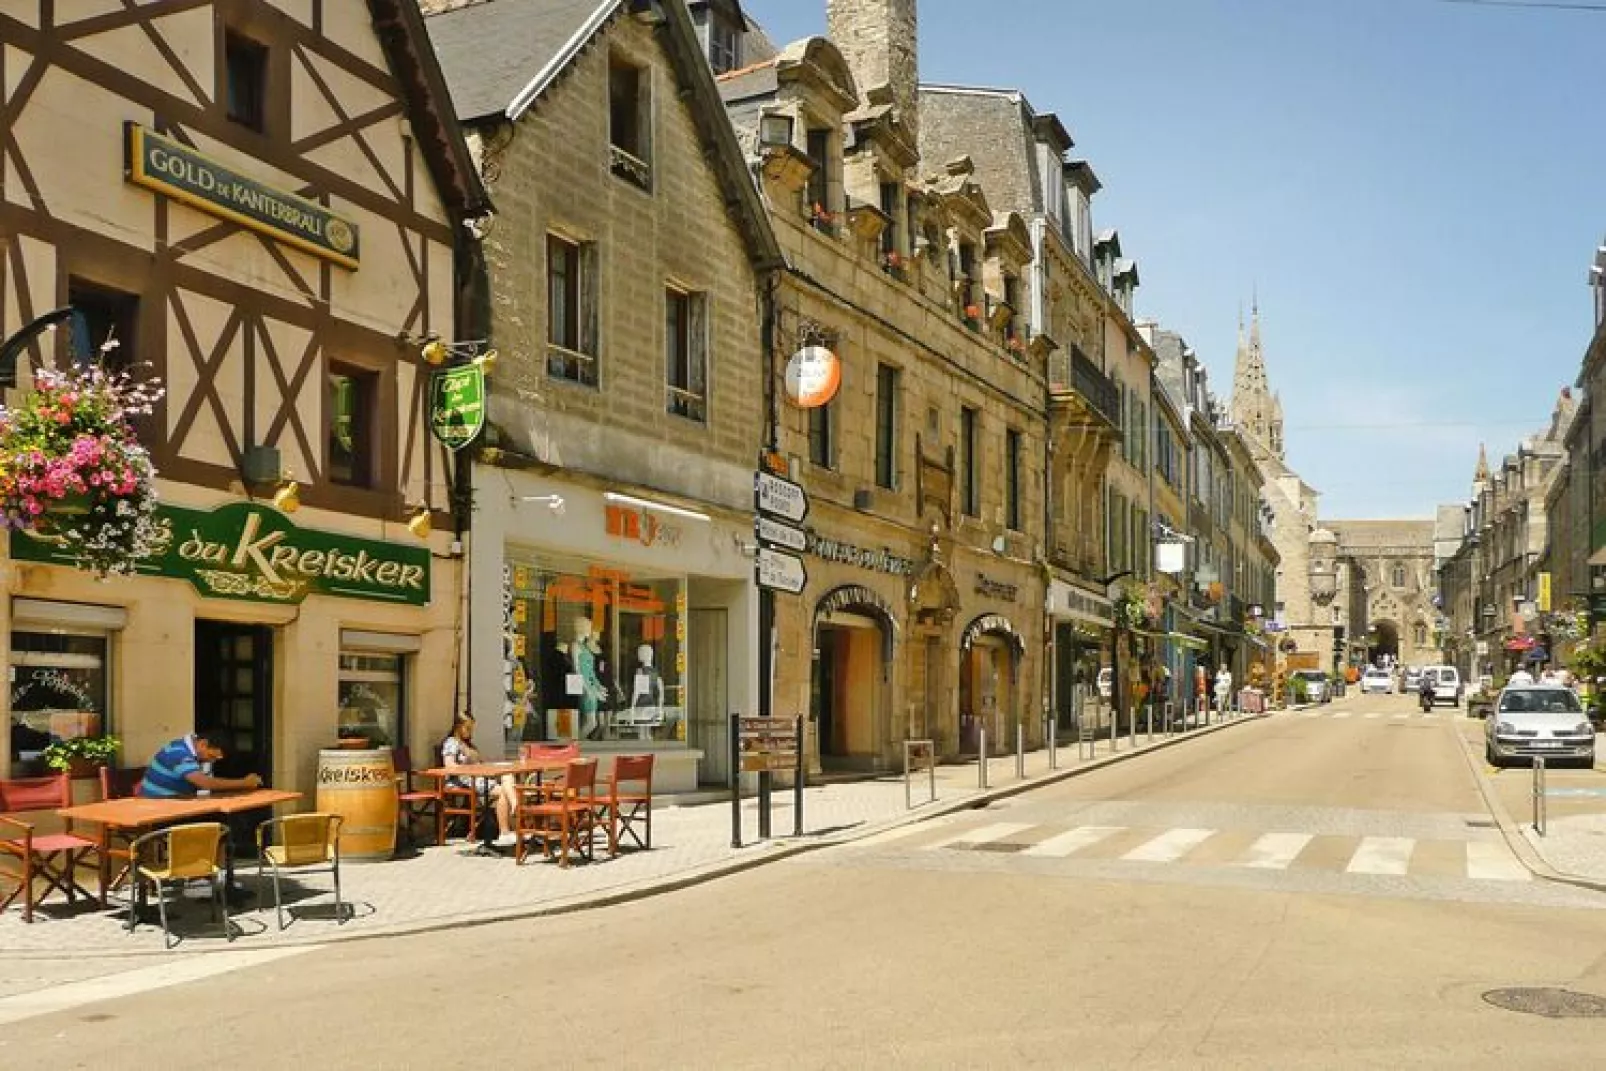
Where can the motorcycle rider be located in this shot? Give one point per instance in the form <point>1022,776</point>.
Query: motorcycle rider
<point>1424,691</point>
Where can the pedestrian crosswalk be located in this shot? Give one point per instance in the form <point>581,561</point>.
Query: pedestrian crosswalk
<point>1280,850</point>
<point>1341,714</point>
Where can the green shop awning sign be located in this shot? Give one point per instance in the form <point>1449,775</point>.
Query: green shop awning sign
<point>249,551</point>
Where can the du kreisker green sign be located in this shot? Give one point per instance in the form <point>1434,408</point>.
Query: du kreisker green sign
<point>457,405</point>
<point>248,550</point>
<point>173,168</point>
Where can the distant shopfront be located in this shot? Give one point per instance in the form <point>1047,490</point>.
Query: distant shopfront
<point>274,638</point>
<point>617,621</point>
<point>1082,622</point>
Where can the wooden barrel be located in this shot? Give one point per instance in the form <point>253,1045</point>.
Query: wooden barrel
<point>360,786</point>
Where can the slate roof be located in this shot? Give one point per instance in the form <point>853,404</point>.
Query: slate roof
<point>491,51</point>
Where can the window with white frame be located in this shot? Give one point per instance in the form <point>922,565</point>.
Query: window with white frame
<point>571,309</point>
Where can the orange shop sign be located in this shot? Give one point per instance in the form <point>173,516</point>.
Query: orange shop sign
<point>622,522</point>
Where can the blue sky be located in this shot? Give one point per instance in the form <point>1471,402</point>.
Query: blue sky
<point>1414,187</point>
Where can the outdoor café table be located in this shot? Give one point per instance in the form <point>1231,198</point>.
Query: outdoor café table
<point>136,814</point>
<point>487,772</point>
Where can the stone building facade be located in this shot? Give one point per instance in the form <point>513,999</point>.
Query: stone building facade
<point>1387,589</point>
<point>611,552</point>
<point>922,612</point>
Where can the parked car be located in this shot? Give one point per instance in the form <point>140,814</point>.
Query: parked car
<point>1376,680</point>
<point>1316,690</point>
<point>1446,684</point>
<point>1410,680</point>
<point>1539,719</point>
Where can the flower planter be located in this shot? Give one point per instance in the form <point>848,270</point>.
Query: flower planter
<point>80,769</point>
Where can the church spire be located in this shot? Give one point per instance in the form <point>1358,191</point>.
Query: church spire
<point>1481,473</point>
<point>1254,408</point>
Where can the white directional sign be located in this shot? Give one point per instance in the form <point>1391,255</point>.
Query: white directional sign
<point>780,497</point>
<point>781,571</point>
<point>781,535</point>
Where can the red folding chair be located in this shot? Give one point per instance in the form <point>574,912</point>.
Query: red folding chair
<point>569,819</point>
<point>53,857</point>
<point>418,798</point>
<point>628,802</point>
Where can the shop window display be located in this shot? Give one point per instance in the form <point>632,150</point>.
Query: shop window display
<point>593,653</point>
<point>58,692</point>
<point>371,698</point>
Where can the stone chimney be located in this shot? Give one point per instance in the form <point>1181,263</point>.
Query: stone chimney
<point>878,39</point>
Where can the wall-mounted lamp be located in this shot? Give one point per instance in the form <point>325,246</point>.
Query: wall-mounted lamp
<point>553,502</point>
<point>657,507</point>
<point>287,499</point>
<point>775,130</point>
<point>419,522</point>
<point>486,361</point>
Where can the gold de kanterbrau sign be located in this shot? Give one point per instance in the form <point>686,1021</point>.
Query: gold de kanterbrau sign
<point>170,167</point>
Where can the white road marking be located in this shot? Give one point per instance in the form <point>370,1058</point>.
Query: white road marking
<point>1075,840</point>
<point>984,835</point>
<point>140,980</point>
<point>1343,714</point>
<point>1275,851</point>
<point>1382,855</point>
<point>1491,861</point>
<point>1169,846</point>
<point>1373,716</point>
<point>1401,717</point>
<point>894,834</point>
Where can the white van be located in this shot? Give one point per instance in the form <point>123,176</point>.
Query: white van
<point>1447,686</point>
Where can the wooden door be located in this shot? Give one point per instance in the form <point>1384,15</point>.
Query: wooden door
<point>708,693</point>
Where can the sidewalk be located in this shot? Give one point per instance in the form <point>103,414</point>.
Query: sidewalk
<point>452,886</point>
<point>1573,849</point>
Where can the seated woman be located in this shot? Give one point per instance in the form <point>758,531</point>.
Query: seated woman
<point>458,750</point>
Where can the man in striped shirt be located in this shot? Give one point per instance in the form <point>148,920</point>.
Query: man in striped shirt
<point>182,768</point>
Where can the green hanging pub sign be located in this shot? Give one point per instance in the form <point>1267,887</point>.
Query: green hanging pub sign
<point>457,405</point>
<point>251,551</point>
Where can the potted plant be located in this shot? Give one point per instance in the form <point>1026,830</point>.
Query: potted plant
<point>73,470</point>
<point>82,756</point>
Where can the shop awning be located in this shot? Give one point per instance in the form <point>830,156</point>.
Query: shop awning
<point>1182,639</point>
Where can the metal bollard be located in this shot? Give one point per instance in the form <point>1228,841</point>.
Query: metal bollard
<point>908,801</point>
<point>1051,741</point>
<point>1020,751</point>
<point>1150,718</point>
<point>1540,816</point>
<point>981,759</point>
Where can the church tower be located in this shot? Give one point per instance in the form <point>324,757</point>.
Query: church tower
<point>1254,408</point>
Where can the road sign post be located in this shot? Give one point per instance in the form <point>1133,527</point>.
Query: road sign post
<point>779,505</point>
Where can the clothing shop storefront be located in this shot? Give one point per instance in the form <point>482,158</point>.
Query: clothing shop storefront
<point>275,636</point>
<point>620,622</point>
<point>1083,623</point>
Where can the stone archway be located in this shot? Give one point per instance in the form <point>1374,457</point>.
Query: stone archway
<point>1384,637</point>
<point>855,637</point>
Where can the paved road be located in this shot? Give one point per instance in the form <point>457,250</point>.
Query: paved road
<point>1304,892</point>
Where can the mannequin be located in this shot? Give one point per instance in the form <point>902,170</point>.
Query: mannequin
<point>583,682</point>
<point>646,694</point>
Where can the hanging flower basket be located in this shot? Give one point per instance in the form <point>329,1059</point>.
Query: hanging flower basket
<point>72,469</point>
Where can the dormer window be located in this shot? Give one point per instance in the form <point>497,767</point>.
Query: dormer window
<point>1012,300</point>
<point>965,285</point>
<point>630,122</point>
<point>724,44</point>
<point>892,233</point>
<point>818,199</point>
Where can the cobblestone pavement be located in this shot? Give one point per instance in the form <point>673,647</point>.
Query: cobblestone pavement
<point>453,886</point>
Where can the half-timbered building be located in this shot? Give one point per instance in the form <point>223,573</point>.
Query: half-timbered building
<point>261,204</point>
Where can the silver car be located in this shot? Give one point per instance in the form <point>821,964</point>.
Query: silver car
<point>1538,719</point>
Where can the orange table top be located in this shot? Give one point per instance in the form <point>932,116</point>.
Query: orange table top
<point>135,812</point>
<point>516,767</point>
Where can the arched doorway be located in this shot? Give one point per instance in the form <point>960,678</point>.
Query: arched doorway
<point>854,636</point>
<point>990,653</point>
<point>1384,643</point>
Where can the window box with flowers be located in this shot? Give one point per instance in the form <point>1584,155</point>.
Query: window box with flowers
<point>72,468</point>
<point>895,264</point>
<point>971,315</point>
<point>1016,346</point>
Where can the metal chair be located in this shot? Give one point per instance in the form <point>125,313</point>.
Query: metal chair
<point>304,844</point>
<point>180,854</point>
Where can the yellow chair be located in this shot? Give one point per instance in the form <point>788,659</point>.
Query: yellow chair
<point>176,855</point>
<point>303,844</point>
